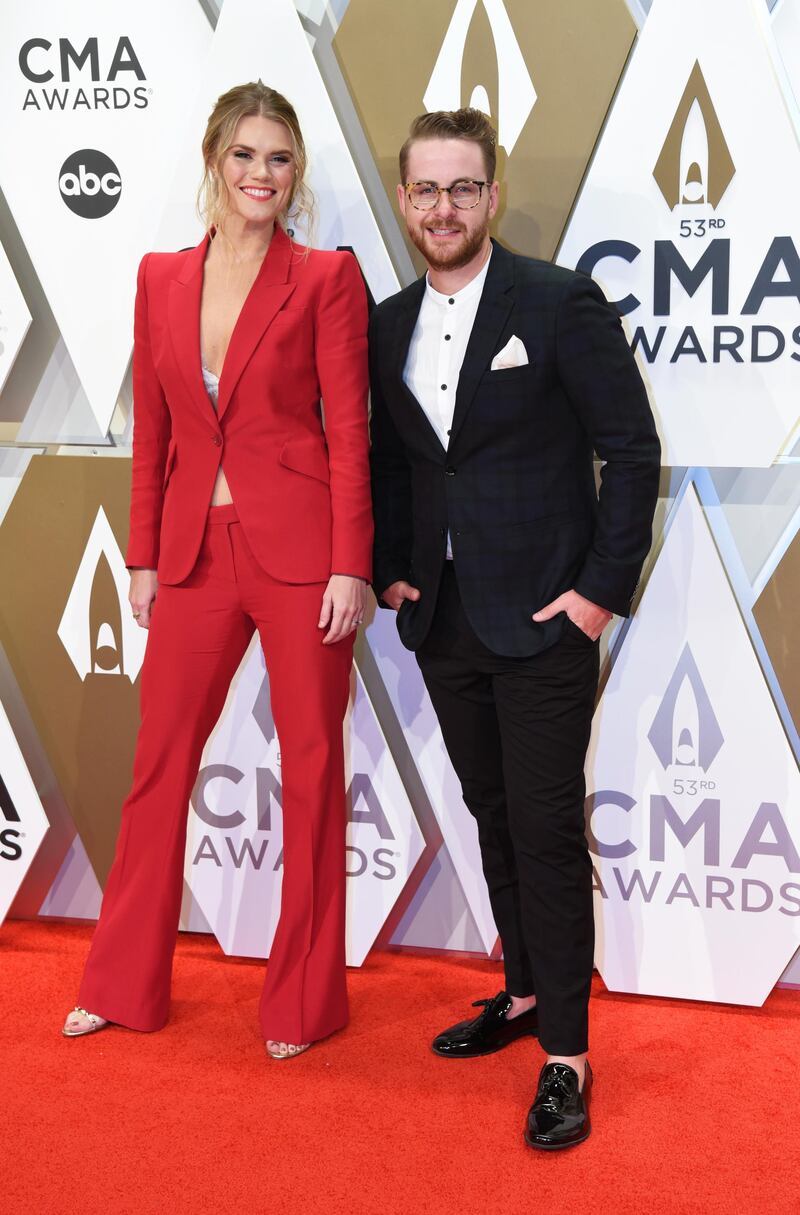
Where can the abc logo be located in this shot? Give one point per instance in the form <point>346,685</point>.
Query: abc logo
<point>90,183</point>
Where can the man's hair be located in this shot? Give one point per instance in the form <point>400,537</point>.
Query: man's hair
<point>466,123</point>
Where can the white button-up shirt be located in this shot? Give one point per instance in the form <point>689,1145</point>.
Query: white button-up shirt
<point>437,349</point>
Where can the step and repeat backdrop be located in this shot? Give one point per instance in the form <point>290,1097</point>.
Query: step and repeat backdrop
<point>653,145</point>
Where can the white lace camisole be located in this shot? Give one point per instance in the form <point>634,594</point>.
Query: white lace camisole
<point>211,382</point>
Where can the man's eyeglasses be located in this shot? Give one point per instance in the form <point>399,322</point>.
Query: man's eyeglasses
<point>424,195</point>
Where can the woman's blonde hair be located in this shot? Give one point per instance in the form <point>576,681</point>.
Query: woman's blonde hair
<point>247,101</point>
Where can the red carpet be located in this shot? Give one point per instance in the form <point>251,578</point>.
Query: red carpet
<point>695,1109</point>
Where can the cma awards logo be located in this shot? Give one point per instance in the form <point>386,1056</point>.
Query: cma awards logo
<point>231,846</point>
<point>10,847</point>
<point>687,813</point>
<point>693,171</point>
<point>695,166</point>
<point>685,731</point>
<point>464,75</point>
<point>64,75</point>
<point>97,629</point>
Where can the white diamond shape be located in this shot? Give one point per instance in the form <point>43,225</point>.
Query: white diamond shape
<point>786,29</point>
<point>724,413</point>
<point>23,822</point>
<point>517,95</point>
<point>416,715</point>
<point>75,893</point>
<point>684,929</point>
<point>268,42</point>
<point>234,846</point>
<point>15,318</point>
<point>87,267</point>
<point>121,633</point>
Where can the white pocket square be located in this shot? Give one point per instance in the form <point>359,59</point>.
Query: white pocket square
<point>513,354</point>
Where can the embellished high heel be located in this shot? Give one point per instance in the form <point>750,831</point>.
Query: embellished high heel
<point>84,1023</point>
<point>291,1052</point>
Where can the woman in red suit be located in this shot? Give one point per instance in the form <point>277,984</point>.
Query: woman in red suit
<point>246,513</point>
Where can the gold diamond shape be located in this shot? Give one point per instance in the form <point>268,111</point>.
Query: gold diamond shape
<point>573,57</point>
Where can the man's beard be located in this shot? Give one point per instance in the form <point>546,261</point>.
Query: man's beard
<point>452,259</point>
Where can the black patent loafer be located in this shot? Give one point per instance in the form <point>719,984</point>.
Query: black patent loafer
<point>486,1033</point>
<point>559,1117</point>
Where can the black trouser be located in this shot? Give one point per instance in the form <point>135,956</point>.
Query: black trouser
<point>516,731</point>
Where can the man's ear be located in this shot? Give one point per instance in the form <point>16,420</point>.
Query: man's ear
<point>401,198</point>
<point>494,198</point>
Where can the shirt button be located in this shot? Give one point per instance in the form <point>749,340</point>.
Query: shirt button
<point>450,471</point>
<point>444,387</point>
<point>451,301</point>
<point>447,337</point>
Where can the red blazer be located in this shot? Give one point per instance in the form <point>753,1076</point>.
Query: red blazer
<point>302,493</point>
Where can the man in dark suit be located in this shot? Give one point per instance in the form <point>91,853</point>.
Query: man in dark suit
<point>494,378</point>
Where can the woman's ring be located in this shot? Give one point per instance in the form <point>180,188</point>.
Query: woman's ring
<point>136,615</point>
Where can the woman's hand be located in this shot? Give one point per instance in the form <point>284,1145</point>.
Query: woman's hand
<point>343,607</point>
<point>144,584</point>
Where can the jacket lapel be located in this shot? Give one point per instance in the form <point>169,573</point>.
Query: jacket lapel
<point>269,292</point>
<point>403,331</point>
<point>183,315</point>
<point>493,309</point>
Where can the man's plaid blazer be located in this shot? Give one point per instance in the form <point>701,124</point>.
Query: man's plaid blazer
<point>515,486</point>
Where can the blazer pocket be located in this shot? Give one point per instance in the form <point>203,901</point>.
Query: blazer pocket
<point>287,315</point>
<point>308,456</point>
<point>406,606</point>
<point>506,375</point>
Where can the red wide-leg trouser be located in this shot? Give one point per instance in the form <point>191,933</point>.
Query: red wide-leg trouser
<point>198,635</point>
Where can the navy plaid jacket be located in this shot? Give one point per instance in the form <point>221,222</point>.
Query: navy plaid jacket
<point>515,486</point>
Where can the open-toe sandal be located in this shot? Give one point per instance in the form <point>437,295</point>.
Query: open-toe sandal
<point>84,1023</point>
<point>291,1051</point>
